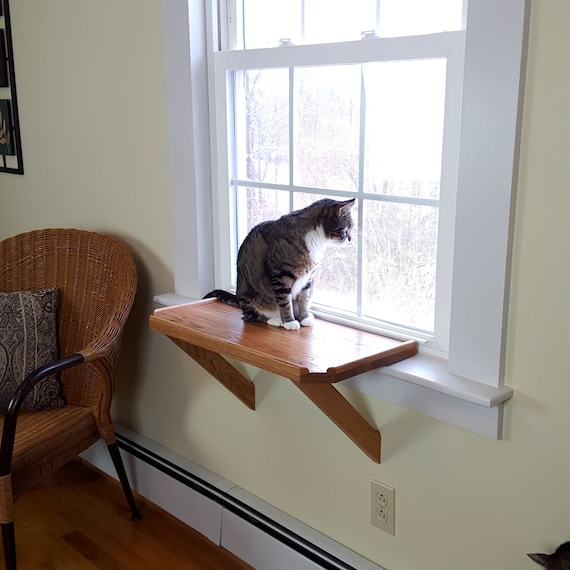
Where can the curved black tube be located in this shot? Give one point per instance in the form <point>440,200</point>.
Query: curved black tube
<point>9,430</point>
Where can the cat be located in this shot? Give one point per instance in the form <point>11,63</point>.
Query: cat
<point>278,259</point>
<point>560,560</point>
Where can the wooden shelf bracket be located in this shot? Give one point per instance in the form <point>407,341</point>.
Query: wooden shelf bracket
<point>312,358</point>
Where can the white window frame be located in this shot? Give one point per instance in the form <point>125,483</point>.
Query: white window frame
<point>448,46</point>
<point>469,390</point>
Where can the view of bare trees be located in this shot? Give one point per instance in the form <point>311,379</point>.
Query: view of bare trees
<point>321,139</point>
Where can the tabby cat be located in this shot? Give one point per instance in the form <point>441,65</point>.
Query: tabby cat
<point>277,261</point>
<point>560,560</point>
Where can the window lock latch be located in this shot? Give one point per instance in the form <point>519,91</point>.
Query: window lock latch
<point>368,34</point>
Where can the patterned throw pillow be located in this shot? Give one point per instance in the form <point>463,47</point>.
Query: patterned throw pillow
<point>28,339</point>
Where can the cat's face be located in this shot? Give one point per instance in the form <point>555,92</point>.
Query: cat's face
<point>338,226</point>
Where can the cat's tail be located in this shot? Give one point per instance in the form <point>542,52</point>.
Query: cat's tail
<point>223,296</point>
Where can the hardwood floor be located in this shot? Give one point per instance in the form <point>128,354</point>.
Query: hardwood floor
<point>78,519</point>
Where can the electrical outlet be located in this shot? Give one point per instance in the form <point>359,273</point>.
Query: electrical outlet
<point>383,507</point>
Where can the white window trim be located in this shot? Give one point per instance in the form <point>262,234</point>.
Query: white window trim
<point>449,46</point>
<point>469,390</point>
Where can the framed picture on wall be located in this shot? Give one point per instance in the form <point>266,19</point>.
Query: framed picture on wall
<point>6,131</point>
<point>3,61</point>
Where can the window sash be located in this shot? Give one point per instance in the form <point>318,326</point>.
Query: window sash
<point>384,18</point>
<point>449,46</point>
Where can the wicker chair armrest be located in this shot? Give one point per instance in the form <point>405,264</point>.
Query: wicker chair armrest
<point>11,415</point>
<point>107,341</point>
<point>104,344</point>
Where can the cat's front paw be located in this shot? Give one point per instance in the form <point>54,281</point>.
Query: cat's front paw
<point>308,321</point>
<point>292,325</point>
<point>289,325</point>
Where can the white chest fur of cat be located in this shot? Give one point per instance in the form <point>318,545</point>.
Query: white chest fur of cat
<point>317,243</point>
<point>278,259</point>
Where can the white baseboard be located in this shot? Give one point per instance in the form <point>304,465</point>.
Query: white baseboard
<point>253,530</point>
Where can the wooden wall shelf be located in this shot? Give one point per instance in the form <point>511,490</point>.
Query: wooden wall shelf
<point>313,358</point>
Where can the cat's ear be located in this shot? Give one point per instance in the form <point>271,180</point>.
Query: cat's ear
<point>345,206</point>
<point>540,558</point>
<point>563,548</point>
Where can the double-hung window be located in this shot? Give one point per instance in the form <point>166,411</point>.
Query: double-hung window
<point>410,106</point>
<point>372,114</point>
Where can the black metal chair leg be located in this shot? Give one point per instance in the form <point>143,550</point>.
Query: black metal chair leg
<point>120,468</point>
<point>9,542</point>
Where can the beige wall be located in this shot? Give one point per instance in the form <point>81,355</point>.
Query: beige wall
<point>94,129</point>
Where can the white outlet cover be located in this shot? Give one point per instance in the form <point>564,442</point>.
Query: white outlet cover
<point>383,507</point>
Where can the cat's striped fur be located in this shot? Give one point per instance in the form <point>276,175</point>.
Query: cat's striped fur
<point>277,262</point>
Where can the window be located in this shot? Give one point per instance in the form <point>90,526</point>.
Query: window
<point>479,52</point>
<point>374,119</point>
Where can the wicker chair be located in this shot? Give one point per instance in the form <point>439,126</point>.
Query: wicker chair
<point>97,280</point>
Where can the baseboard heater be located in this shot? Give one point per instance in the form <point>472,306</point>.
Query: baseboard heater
<point>272,539</point>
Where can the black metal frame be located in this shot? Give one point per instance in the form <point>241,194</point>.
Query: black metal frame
<point>19,169</point>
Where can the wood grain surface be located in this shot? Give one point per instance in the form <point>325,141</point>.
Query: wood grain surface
<point>78,520</point>
<point>325,352</point>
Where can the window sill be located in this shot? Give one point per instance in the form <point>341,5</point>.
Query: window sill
<point>423,384</point>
